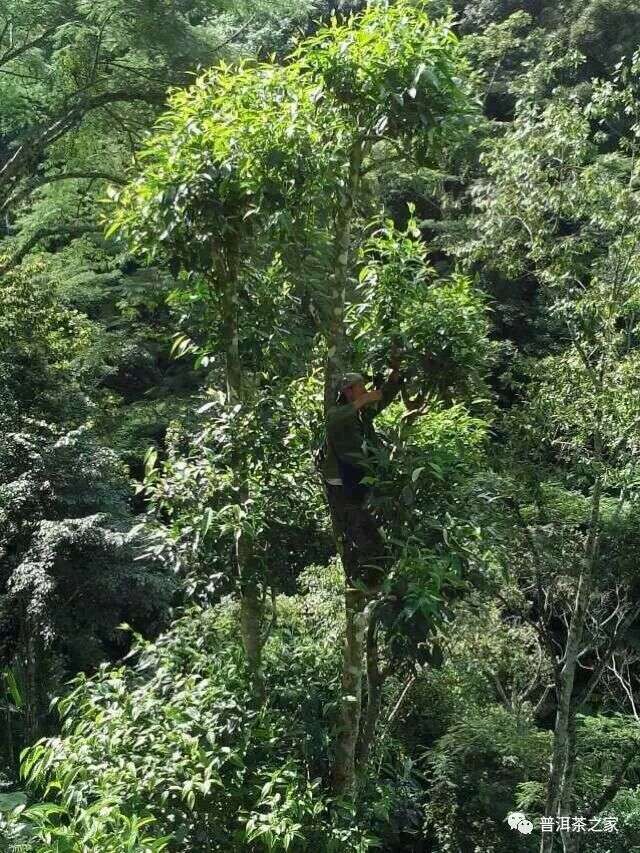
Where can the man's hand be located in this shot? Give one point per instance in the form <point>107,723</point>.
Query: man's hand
<point>367,399</point>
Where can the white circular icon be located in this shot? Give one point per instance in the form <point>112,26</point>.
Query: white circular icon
<point>519,821</point>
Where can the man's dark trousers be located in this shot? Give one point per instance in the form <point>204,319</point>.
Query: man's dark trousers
<point>364,551</point>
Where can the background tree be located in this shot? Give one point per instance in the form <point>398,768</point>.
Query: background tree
<point>68,570</point>
<point>572,226</point>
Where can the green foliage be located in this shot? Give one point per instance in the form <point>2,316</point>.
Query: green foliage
<point>429,457</point>
<point>76,513</point>
<point>571,225</point>
<point>260,145</point>
<point>43,346</point>
<point>606,31</point>
<point>227,151</point>
<point>9,802</point>
<point>423,489</point>
<point>476,767</point>
<point>69,570</point>
<point>80,87</point>
<point>393,72</point>
<point>193,491</point>
<point>483,13</point>
<point>178,738</point>
<point>249,168</point>
<point>437,325</point>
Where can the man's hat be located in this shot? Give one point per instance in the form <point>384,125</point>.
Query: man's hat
<point>347,380</point>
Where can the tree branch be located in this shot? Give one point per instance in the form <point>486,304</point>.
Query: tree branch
<point>631,616</point>
<point>10,55</point>
<point>614,785</point>
<point>70,231</point>
<point>235,34</point>
<point>33,148</point>
<point>63,176</point>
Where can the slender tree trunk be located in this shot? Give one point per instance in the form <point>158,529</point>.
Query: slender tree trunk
<point>27,652</point>
<point>374,694</point>
<point>344,768</point>
<point>251,607</point>
<point>251,619</point>
<point>561,735</point>
<point>9,729</point>
<point>342,246</point>
<point>569,839</point>
<point>563,756</point>
<point>561,732</point>
<point>31,685</point>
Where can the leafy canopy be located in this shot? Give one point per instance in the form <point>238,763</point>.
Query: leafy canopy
<point>251,146</point>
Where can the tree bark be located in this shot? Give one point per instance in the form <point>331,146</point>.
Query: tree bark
<point>342,247</point>
<point>569,841</point>
<point>11,761</point>
<point>30,683</point>
<point>344,766</point>
<point>374,695</point>
<point>251,607</point>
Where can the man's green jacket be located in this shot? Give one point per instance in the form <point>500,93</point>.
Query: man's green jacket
<point>350,433</point>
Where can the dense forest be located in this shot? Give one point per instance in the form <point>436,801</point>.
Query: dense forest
<point>218,219</point>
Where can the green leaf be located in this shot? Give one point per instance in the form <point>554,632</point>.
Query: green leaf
<point>12,686</point>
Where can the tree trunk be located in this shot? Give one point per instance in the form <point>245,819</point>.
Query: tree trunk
<point>11,760</point>
<point>27,652</point>
<point>568,771</point>
<point>561,733</point>
<point>342,246</point>
<point>251,613</point>
<point>374,695</point>
<point>344,767</point>
<point>251,609</point>
<point>569,839</point>
<point>559,793</point>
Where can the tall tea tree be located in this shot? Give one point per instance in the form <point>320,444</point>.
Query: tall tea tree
<point>396,86</point>
<point>265,155</point>
<point>229,162</point>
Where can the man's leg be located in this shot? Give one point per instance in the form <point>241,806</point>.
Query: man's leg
<point>339,521</point>
<point>362,548</point>
<point>363,532</point>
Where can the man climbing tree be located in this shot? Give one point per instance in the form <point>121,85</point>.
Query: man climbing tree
<point>350,439</point>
